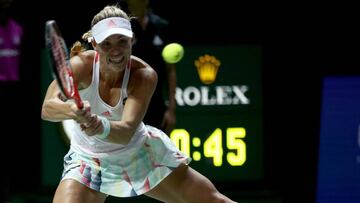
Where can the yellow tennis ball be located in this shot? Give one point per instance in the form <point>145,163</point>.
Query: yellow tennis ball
<point>173,52</point>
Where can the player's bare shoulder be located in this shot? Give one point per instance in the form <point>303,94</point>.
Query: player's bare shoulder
<point>84,58</point>
<point>142,73</point>
<point>82,65</point>
<point>140,68</point>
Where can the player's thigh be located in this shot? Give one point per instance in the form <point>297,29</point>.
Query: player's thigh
<point>71,191</point>
<point>184,185</point>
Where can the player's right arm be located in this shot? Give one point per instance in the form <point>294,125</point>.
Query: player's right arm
<point>54,107</point>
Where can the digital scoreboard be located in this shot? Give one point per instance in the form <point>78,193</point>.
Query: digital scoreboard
<point>219,111</point>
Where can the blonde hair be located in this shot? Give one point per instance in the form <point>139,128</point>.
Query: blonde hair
<point>107,12</point>
<point>81,45</point>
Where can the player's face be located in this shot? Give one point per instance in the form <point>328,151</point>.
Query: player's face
<point>116,49</point>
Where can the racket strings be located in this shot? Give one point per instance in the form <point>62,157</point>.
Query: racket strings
<point>60,56</point>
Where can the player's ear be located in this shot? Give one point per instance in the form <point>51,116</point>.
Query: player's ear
<point>93,44</point>
<point>91,40</point>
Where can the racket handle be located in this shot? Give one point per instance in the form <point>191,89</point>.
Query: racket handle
<point>77,97</point>
<point>79,103</point>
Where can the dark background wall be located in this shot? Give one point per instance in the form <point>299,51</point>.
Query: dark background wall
<point>301,43</point>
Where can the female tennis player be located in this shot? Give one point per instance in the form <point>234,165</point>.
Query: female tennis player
<point>112,151</point>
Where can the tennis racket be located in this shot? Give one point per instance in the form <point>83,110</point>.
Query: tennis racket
<point>59,62</point>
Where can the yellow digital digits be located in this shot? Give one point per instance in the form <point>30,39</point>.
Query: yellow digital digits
<point>181,138</point>
<point>213,147</point>
<point>234,141</point>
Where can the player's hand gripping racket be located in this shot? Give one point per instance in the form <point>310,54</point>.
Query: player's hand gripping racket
<point>59,62</point>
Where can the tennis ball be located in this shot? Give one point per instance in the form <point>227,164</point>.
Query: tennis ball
<point>173,52</point>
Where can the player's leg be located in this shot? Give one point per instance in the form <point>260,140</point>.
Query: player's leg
<point>185,184</point>
<point>71,191</point>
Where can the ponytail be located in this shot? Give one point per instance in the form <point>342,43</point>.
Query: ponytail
<point>81,45</point>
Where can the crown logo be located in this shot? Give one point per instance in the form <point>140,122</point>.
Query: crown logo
<point>207,67</point>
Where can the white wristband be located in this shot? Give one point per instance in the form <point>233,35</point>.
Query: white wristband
<point>106,125</point>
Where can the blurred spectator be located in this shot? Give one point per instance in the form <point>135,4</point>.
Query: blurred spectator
<point>11,45</point>
<point>11,34</point>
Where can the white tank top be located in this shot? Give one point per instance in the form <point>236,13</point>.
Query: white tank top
<point>91,145</point>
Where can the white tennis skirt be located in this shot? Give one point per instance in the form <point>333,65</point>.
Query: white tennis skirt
<point>132,173</point>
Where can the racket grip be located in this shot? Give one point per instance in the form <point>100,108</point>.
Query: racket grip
<point>77,97</point>
<point>79,103</point>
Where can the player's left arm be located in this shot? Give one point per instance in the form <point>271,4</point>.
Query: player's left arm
<point>141,87</point>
